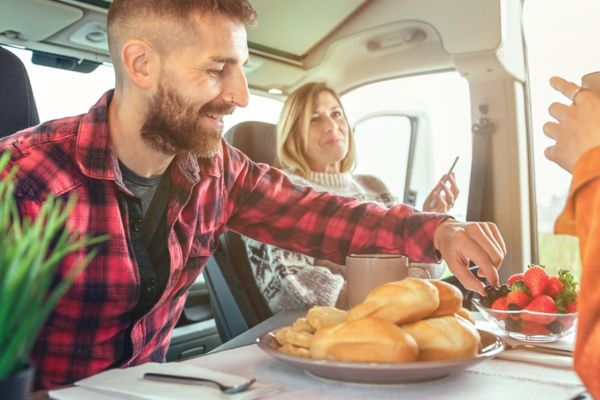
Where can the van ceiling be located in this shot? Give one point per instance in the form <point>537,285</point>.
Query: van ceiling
<point>295,40</point>
<point>284,28</point>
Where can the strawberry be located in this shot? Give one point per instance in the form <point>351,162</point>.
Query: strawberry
<point>569,292</point>
<point>541,304</point>
<point>514,278</point>
<point>572,307</point>
<point>554,286</point>
<point>517,300</point>
<point>531,329</point>
<point>499,305</point>
<point>536,280</point>
<point>519,286</point>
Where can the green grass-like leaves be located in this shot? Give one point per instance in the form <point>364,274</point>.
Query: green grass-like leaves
<point>30,253</point>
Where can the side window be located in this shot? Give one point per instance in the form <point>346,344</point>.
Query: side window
<point>568,52</point>
<point>435,109</point>
<point>391,161</point>
<point>60,93</point>
<point>260,108</point>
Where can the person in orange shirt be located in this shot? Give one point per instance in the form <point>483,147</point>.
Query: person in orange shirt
<point>577,149</point>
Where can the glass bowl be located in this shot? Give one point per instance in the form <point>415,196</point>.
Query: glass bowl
<point>529,326</point>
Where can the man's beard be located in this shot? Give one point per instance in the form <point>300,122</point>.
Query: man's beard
<point>174,127</point>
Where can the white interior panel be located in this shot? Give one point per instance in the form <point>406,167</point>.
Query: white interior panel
<point>282,23</point>
<point>36,20</point>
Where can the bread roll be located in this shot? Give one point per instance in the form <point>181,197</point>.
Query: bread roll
<point>445,338</point>
<point>319,317</point>
<point>451,299</point>
<point>300,339</point>
<point>466,314</point>
<point>364,340</point>
<point>405,301</point>
<point>281,335</point>
<point>294,350</point>
<point>302,325</point>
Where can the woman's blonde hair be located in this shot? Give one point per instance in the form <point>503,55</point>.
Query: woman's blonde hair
<point>293,127</point>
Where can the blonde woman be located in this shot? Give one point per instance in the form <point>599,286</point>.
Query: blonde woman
<point>316,147</point>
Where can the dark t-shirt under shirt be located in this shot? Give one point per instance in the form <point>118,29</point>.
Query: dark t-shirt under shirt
<point>147,213</point>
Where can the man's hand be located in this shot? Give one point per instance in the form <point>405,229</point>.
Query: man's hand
<point>462,242</point>
<point>578,127</point>
<point>442,197</point>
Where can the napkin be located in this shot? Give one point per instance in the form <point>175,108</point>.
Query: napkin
<point>129,383</point>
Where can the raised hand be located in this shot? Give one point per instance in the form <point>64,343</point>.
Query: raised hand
<point>442,197</point>
<point>578,125</point>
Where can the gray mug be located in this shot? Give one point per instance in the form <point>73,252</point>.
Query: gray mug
<point>364,272</point>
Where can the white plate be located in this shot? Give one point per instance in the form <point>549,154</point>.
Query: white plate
<point>379,373</point>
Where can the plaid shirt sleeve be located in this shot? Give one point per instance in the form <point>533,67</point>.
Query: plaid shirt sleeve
<point>265,205</point>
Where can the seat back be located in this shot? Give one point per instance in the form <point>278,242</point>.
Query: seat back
<point>17,104</point>
<point>255,139</point>
<point>234,292</point>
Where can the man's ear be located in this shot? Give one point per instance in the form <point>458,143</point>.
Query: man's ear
<point>141,63</point>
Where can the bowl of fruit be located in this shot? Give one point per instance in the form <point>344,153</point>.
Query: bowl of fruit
<point>532,306</point>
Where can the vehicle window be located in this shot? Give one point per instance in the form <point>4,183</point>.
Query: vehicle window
<point>260,108</point>
<point>391,162</point>
<point>440,105</point>
<point>566,52</point>
<point>60,93</point>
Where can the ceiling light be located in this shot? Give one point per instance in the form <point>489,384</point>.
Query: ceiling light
<point>275,91</point>
<point>96,36</point>
<point>91,34</point>
<point>405,38</point>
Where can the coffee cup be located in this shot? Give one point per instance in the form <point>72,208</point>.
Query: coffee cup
<point>365,272</point>
<point>427,270</point>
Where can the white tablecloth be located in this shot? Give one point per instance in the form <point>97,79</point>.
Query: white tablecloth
<point>493,379</point>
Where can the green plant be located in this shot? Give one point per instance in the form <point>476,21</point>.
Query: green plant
<point>30,253</point>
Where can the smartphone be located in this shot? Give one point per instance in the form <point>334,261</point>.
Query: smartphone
<point>433,202</point>
<point>452,167</point>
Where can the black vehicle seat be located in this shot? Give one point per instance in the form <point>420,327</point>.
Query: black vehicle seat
<point>17,104</point>
<point>255,139</point>
<point>234,293</point>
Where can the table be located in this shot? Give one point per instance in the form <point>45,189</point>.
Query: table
<point>493,379</point>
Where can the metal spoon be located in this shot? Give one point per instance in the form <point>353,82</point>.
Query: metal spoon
<point>538,349</point>
<point>240,387</point>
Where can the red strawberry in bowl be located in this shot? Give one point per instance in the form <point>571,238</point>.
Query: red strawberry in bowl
<point>499,305</point>
<point>520,314</point>
<point>531,329</point>
<point>517,300</point>
<point>536,280</point>
<point>541,304</point>
<point>514,278</point>
<point>554,287</point>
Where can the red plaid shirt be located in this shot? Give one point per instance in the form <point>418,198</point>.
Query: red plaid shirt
<point>91,325</point>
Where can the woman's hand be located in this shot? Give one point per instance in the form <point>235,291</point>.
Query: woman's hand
<point>442,197</point>
<point>578,126</point>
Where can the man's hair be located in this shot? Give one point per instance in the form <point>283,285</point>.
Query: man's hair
<point>293,127</point>
<point>129,19</point>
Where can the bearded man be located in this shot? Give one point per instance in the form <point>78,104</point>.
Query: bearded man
<point>149,168</point>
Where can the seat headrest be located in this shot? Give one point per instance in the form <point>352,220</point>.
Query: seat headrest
<point>17,105</point>
<point>255,139</point>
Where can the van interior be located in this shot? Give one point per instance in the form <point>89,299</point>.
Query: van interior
<point>422,81</point>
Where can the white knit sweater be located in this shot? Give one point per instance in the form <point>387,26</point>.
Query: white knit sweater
<point>289,280</point>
